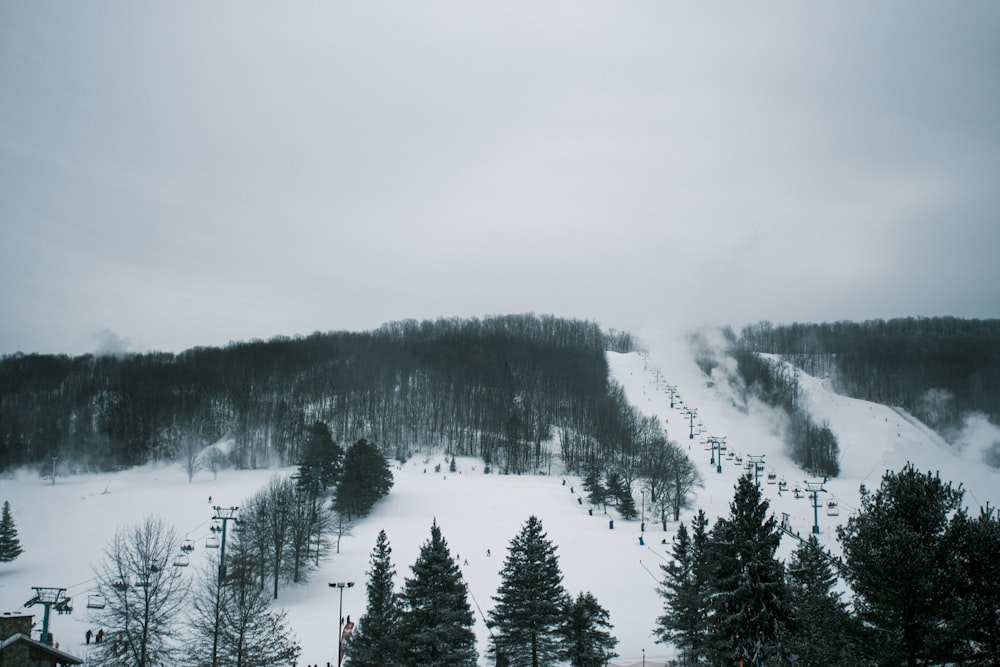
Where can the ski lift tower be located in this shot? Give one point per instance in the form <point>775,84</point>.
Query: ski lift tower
<point>758,465</point>
<point>717,444</point>
<point>50,598</point>
<point>672,390</point>
<point>814,489</point>
<point>692,413</point>
<point>223,514</point>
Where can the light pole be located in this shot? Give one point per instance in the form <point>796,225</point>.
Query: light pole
<point>340,616</point>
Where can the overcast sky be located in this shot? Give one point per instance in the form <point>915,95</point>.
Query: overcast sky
<point>177,174</point>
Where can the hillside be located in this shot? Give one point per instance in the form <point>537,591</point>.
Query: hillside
<point>65,527</point>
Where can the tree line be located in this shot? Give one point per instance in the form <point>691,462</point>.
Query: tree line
<point>937,368</point>
<point>503,389</point>
<point>494,388</point>
<point>921,568</point>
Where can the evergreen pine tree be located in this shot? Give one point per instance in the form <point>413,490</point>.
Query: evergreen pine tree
<point>749,609</point>
<point>977,621</point>
<point>586,633</point>
<point>824,632</point>
<point>10,545</point>
<point>436,622</point>
<point>376,637</point>
<point>614,488</point>
<point>322,459</point>
<point>901,537</point>
<point>531,601</point>
<point>626,504</point>
<point>596,494</point>
<point>685,591</point>
<point>365,479</point>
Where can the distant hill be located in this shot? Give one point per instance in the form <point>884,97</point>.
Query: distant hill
<point>940,370</point>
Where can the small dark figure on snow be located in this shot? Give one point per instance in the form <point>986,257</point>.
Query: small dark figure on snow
<point>100,636</point>
<point>89,635</point>
<point>487,553</point>
<point>210,500</point>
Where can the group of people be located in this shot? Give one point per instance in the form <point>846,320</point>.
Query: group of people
<point>98,637</point>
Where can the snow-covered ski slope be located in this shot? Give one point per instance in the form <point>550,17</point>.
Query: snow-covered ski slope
<point>65,527</point>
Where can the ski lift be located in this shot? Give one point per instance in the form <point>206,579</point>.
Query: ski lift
<point>211,542</point>
<point>739,460</point>
<point>95,602</point>
<point>782,485</point>
<point>64,606</point>
<point>832,509</point>
<point>772,478</point>
<point>187,546</point>
<point>181,560</point>
<point>120,585</point>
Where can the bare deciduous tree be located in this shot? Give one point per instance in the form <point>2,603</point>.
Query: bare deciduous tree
<point>144,596</point>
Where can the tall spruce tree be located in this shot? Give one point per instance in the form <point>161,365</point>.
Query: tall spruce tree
<point>586,633</point>
<point>321,461</point>
<point>10,544</point>
<point>749,609</point>
<point>685,591</point>
<point>977,571</point>
<point>366,478</point>
<point>436,622</point>
<point>531,601</point>
<point>377,635</point>
<point>824,632</point>
<point>901,564</point>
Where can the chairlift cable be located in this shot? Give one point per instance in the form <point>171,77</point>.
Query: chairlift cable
<point>655,578</point>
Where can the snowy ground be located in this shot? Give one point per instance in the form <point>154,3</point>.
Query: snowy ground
<point>64,527</point>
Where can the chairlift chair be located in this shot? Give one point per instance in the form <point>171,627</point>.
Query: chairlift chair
<point>832,509</point>
<point>211,542</point>
<point>782,485</point>
<point>187,546</point>
<point>182,560</point>
<point>95,602</point>
<point>772,478</point>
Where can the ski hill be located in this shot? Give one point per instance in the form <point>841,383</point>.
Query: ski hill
<point>64,527</point>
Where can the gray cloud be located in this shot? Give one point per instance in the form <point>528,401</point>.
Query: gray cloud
<point>190,174</point>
